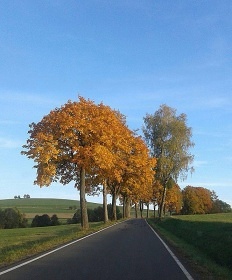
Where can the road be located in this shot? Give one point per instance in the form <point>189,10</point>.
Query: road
<point>129,250</point>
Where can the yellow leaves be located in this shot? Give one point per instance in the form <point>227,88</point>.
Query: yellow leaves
<point>103,157</point>
<point>95,137</point>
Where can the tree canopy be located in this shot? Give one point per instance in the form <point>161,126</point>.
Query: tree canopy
<point>169,139</point>
<point>85,142</point>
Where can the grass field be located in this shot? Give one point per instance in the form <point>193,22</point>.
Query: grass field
<point>37,206</point>
<point>19,243</point>
<point>207,238</point>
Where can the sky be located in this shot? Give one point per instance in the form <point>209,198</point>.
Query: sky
<point>132,55</point>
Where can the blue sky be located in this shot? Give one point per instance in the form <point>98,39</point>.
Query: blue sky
<point>132,55</point>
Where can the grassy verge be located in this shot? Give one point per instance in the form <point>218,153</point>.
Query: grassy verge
<point>205,241</point>
<point>21,243</point>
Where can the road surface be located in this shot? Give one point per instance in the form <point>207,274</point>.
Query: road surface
<point>127,251</point>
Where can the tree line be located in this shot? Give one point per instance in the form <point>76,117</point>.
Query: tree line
<point>19,197</point>
<point>91,145</point>
<point>191,200</point>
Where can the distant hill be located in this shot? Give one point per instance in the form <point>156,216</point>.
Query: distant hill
<point>64,208</point>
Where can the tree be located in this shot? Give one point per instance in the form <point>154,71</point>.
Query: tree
<point>41,221</point>
<point>55,220</point>
<point>12,218</point>
<point>169,140</point>
<point>173,199</point>
<point>138,175</point>
<point>220,206</point>
<point>197,200</point>
<point>2,219</point>
<point>80,140</point>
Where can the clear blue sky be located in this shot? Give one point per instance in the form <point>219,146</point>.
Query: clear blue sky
<point>134,56</point>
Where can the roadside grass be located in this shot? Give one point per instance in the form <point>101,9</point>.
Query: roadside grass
<point>21,243</point>
<point>206,240</point>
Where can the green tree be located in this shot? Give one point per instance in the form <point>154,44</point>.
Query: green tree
<point>13,218</point>
<point>169,139</point>
<point>41,221</point>
<point>220,206</point>
<point>55,220</point>
<point>2,219</point>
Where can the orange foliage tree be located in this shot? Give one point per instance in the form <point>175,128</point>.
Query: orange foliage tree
<point>173,201</point>
<point>77,141</point>
<point>196,200</point>
<point>138,176</point>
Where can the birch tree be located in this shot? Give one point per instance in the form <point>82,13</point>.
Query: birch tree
<point>169,139</point>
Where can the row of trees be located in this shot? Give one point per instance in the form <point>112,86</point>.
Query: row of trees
<point>91,145</point>
<point>198,200</point>
<point>19,197</point>
<point>191,200</point>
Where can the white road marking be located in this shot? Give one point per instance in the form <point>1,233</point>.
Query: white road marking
<point>186,273</point>
<point>53,251</point>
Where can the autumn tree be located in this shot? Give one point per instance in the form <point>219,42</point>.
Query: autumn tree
<point>74,143</point>
<point>138,175</point>
<point>173,202</point>
<point>196,200</point>
<point>169,139</point>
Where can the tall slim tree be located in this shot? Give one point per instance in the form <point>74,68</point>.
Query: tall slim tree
<point>169,140</point>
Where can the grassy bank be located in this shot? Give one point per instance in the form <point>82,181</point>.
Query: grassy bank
<point>20,243</point>
<point>206,239</point>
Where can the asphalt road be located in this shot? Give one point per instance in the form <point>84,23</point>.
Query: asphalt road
<point>126,251</point>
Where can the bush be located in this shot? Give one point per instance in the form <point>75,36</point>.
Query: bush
<point>55,220</point>
<point>2,219</point>
<point>45,221</point>
<point>94,215</point>
<point>12,218</point>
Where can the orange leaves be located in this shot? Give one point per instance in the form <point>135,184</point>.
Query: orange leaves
<point>94,137</point>
<point>197,200</point>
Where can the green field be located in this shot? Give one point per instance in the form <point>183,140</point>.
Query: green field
<point>205,238</point>
<point>19,243</point>
<point>38,206</point>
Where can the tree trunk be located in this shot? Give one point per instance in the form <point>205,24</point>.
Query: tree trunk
<point>106,218</point>
<point>161,212</point>
<point>83,206</point>
<point>127,207</point>
<point>114,213</point>
<point>136,210</point>
<point>141,208</point>
<point>124,207</point>
<point>154,210</point>
<point>147,210</point>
